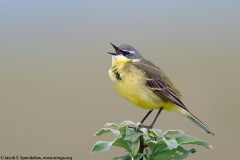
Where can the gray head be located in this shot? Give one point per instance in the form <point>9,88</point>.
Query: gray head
<point>126,51</point>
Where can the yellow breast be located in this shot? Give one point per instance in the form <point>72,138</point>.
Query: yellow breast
<point>130,83</point>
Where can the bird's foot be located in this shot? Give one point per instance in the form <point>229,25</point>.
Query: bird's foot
<point>145,126</point>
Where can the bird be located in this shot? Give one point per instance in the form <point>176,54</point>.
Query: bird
<point>144,84</point>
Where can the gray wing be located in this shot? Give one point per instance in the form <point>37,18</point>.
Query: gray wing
<point>159,82</point>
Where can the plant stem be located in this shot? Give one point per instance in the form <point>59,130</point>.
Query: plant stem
<point>141,148</point>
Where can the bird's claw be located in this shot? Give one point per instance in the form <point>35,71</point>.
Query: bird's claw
<point>145,126</point>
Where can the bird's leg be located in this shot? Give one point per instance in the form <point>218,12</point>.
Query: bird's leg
<point>151,126</point>
<point>145,117</point>
<point>159,111</point>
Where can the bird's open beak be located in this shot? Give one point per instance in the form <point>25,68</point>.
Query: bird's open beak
<point>112,53</point>
<point>118,51</point>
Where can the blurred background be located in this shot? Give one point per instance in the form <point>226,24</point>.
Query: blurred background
<point>54,87</point>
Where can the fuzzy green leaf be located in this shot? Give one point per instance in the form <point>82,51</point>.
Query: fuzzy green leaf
<point>132,135</point>
<point>157,134</point>
<point>122,131</point>
<point>138,156</point>
<point>144,131</point>
<point>176,154</point>
<point>173,132</point>
<point>101,146</point>
<point>135,147</point>
<point>125,157</point>
<point>192,140</point>
<point>127,123</point>
<point>120,142</point>
<point>124,126</point>
<point>171,143</point>
<point>107,130</point>
<point>156,147</point>
<point>114,125</point>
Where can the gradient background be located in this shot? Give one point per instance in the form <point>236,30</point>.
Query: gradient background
<point>55,91</point>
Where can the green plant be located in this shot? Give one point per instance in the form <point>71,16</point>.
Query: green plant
<point>152,144</point>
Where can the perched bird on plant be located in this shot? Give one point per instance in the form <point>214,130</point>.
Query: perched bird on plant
<point>146,85</point>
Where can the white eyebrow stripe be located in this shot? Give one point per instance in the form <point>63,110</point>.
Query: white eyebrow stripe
<point>132,52</point>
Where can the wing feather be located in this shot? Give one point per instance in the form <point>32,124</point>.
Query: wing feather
<point>159,82</point>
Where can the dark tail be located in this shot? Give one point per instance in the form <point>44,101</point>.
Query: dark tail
<point>199,123</point>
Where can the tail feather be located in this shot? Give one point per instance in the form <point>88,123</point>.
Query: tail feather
<point>193,118</point>
<point>199,123</point>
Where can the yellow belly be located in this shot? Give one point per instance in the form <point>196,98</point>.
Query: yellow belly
<point>132,87</point>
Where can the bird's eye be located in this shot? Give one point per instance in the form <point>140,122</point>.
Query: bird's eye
<point>125,52</point>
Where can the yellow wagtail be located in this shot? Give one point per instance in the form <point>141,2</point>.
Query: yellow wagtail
<point>145,85</point>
